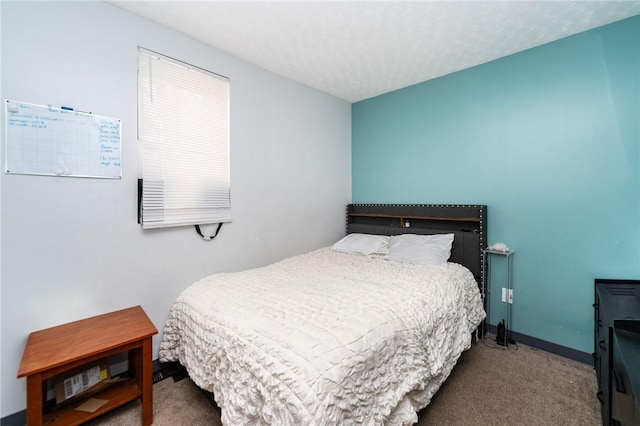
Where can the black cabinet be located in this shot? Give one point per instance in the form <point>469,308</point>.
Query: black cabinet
<point>617,351</point>
<point>625,373</point>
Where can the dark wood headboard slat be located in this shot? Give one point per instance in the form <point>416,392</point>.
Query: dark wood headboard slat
<point>410,216</point>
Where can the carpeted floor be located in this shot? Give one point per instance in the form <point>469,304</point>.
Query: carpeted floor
<point>488,386</point>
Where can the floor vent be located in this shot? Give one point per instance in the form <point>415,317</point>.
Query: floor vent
<point>173,369</point>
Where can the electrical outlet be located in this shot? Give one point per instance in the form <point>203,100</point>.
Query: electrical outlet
<point>507,295</point>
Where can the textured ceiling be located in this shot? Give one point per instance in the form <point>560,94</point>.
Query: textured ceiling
<point>355,50</point>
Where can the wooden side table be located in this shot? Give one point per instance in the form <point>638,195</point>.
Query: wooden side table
<point>55,350</point>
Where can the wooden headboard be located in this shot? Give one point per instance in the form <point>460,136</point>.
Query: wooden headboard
<point>467,222</point>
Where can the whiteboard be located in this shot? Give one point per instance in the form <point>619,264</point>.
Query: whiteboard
<point>51,141</point>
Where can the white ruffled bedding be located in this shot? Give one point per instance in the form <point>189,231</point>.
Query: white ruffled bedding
<point>324,338</point>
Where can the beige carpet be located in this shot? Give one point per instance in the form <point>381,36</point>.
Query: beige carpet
<point>488,386</point>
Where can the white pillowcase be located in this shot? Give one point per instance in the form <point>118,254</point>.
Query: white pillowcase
<point>363,244</point>
<point>422,249</point>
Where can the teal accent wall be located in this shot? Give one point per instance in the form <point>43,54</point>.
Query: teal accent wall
<point>549,139</point>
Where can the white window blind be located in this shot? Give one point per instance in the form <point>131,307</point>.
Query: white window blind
<point>184,136</point>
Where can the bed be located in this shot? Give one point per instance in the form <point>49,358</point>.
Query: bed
<point>335,336</point>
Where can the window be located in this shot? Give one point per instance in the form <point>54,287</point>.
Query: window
<point>183,125</point>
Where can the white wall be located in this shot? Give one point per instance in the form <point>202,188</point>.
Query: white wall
<point>71,247</point>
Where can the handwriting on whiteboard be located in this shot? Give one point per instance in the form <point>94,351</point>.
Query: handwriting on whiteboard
<point>46,140</point>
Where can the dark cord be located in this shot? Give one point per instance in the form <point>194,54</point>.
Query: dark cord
<point>210,237</point>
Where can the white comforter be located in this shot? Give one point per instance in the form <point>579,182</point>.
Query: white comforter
<point>324,338</point>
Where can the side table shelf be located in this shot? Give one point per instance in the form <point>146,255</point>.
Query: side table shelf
<point>57,350</point>
<point>117,395</point>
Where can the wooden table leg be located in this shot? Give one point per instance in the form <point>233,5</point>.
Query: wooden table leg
<point>34,400</point>
<point>147,383</point>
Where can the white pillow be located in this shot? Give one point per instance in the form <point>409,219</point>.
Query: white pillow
<point>363,244</point>
<point>423,249</point>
